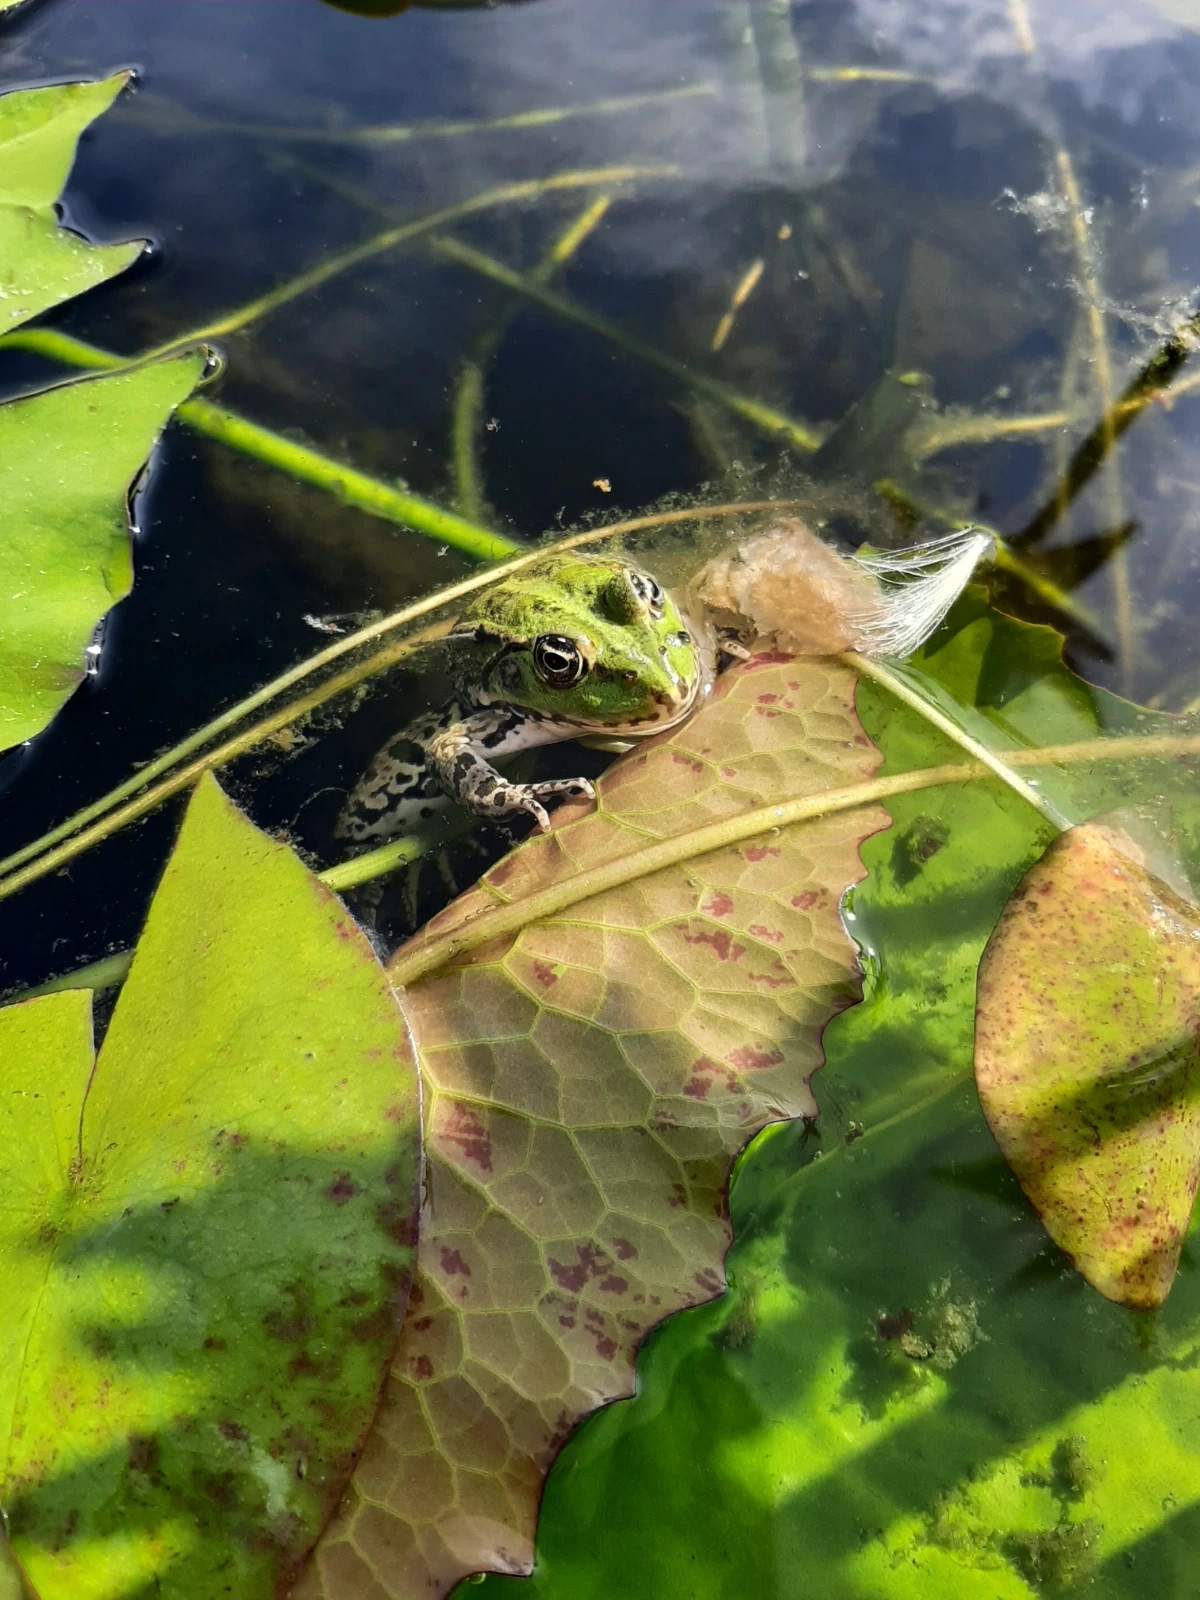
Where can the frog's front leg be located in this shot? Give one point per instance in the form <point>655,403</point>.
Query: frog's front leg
<point>459,754</point>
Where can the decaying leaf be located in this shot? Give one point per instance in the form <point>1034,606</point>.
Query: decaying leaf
<point>787,586</point>
<point>206,1235</point>
<point>67,458</point>
<point>587,1084</point>
<point>41,263</point>
<point>1087,1058</point>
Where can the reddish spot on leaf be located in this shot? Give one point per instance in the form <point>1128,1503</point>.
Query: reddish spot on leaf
<point>421,1367</point>
<point>720,941</point>
<point>761,931</point>
<point>343,1188</point>
<point>452,1263</point>
<point>1086,1058</point>
<point>465,1129</point>
<point>545,973</point>
<point>717,905</point>
<point>755,853</point>
<point>747,1059</point>
<point>589,1263</point>
<point>807,900</point>
<point>623,1250</point>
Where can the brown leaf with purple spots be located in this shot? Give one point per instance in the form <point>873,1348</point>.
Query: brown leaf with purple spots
<point>1087,1050</point>
<point>589,1075</point>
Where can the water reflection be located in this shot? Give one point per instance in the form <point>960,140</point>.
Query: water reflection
<point>897,255</point>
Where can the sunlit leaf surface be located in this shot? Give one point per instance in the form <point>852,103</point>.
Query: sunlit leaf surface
<point>206,1237</point>
<point>910,1393</point>
<point>587,1084</point>
<point>67,459</point>
<point>1086,1058</point>
<point>41,263</point>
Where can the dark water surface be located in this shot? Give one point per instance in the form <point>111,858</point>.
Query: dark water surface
<point>970,223</point>
<point>890,165</point>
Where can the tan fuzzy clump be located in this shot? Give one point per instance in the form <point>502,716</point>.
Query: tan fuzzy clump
<point>786,586</point>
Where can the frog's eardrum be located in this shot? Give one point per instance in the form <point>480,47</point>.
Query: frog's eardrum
<point>786,586</point>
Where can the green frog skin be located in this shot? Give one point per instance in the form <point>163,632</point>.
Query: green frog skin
<point>572,646</point>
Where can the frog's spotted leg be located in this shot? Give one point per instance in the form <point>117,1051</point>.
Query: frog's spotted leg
<point>445,756</point>
<point>456,756</point>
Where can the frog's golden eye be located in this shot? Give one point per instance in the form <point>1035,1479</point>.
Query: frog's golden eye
<point>649,593</point>
<point>557,660</point>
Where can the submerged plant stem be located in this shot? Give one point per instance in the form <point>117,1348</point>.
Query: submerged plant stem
<point>344,483</point>
<point>503,194</point>
<point>1101,355</point>
<point>171,117</point>
<point>766,418</point>
<point>469,395</point>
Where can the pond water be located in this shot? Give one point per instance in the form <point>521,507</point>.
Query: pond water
<point>816,249</point>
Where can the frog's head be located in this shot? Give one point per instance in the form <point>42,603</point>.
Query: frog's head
<point>587,640</point>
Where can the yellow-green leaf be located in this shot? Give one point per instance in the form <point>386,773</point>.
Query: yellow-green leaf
<point>206,1235</point>
<point>41,264</point>
<point>587,1082</point>
<point>67,459</point>
<point>1087,1058</point>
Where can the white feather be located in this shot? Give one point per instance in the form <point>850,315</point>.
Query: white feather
<point>917,587</point>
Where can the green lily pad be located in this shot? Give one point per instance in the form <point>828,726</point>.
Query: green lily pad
<point>1087,1058</point>
<point>41,263</point>
<point>206,1235</point>
<point>67,458</point>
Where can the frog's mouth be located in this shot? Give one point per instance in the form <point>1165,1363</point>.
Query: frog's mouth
<point>668,712</point>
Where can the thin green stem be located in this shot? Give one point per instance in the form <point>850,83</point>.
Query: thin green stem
<point>409,132</point>
<point>106,815</point>
<point>111,970</point>
<point>421,957</point>
<point>880,672</point>
<point>332,266</point>
<point>345,483</point>
<point>776,424</point>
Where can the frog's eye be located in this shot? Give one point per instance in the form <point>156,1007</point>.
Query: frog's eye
<point>649,593</point>
<point>557,660</point>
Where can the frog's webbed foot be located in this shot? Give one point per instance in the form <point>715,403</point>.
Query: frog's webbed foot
<point>502,798</point>
<point>731,647</point>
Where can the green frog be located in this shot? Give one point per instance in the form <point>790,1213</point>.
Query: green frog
<point>570,647</point>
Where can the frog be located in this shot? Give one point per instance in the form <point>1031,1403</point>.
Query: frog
<point>577,645</point>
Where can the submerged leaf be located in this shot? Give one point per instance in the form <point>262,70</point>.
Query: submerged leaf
<point>67,458</point>
<point>587,1084</point>
<point>41,263</point>
<point>206,1235</point>
<point>1087,1058</point>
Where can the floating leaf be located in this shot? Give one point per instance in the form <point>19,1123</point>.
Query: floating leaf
<point>41,263</point>
<point>206,1234</point>
<point>587,1084</point>
<point>67,458</point>
<point>1087,1058</point>
<point>908,1395</point>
